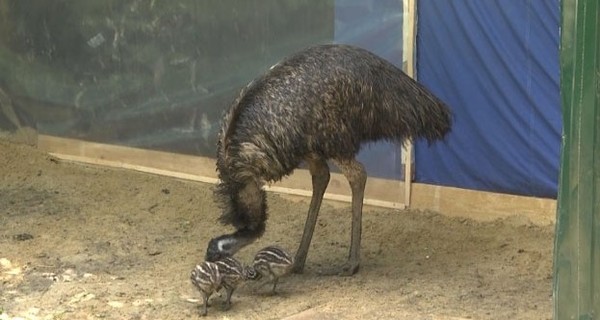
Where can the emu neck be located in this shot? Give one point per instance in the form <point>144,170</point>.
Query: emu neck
<point>252,210</point>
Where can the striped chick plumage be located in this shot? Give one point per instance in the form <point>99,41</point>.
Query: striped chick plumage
<point>207,279</point>
<point>233,273</point>
<point>272,262</point>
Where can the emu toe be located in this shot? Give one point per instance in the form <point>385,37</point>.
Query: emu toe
<point>298,266</point>
<point>345,270</point>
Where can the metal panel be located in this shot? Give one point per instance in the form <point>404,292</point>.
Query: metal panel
<point>577,243</point>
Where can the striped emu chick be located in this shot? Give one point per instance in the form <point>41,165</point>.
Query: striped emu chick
<point>273,262</point>
<point>322,103</point>
<point>207,278</point>
<point>232,273</point>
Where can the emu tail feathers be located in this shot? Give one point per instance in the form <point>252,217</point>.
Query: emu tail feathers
<point>432,117</point>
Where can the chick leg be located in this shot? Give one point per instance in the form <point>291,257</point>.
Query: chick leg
<point>228,299</point>
<point>275,280</point>
<point>205,307</point>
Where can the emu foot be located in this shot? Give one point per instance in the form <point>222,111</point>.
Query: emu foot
<point>346,270</point>
<point>298,267</point>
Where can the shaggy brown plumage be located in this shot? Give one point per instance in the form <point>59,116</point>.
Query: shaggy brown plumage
<point>319,104</point>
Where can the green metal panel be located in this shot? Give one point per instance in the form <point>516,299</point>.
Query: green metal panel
<point>577,243</point>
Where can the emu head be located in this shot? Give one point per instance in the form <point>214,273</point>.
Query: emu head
<point>225,246</point>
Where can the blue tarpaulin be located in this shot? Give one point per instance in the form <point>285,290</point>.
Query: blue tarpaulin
<point>496,63</point>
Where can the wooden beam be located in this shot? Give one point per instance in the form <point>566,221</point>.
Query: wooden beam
<point>458,202</point>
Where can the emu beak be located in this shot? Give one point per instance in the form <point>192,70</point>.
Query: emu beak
<point>226,246</point>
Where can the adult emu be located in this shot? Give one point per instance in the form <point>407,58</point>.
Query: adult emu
<point>316,105</point>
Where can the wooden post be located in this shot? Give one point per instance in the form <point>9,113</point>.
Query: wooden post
<point>409,35</point>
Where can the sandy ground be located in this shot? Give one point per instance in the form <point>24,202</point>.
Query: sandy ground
<point>84,242</point>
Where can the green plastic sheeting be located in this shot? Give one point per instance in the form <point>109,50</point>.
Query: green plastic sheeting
<point>577,243</point>
<point>145,74</point>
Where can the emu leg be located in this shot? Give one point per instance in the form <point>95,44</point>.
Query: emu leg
<point>320,178</point>
<point>355,172</point>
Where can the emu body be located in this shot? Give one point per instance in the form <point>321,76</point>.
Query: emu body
<point>319,104</point>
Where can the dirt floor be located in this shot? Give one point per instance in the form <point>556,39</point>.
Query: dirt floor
<point>85,242</point>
